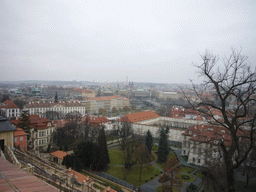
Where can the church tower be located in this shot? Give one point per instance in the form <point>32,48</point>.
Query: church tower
<point>56,98</point>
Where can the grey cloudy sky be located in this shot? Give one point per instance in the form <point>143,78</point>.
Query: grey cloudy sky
<point>107,40</point>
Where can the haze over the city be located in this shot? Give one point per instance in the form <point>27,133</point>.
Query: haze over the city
<point>106,41</point>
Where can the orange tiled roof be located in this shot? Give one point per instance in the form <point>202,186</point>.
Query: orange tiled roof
<point>59,154</point>
<point>140,116</point>
<point>35,122</point>
<point>108,189</point>
<point>61,123</point>
<point>210,133</point>
<point>80,177</point>
<point>95,121</point>
<point>9,105</point>
<point>16,179</point>
<point>19,132</point>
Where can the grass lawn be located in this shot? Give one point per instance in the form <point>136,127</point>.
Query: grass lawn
<point>148,172</point>
<point>110,138</point>
<point>190,179</point>
<point>116,156</point>
<point>163,164</point>
<point>186,169</point>
<point>199,174</point>
<point>154,148</point>
<point>153,158</point>
<point>159,189</point>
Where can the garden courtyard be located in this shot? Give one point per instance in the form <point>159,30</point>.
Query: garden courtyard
<point>150,171</point>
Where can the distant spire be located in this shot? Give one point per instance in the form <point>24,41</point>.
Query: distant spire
<point>56,98</point>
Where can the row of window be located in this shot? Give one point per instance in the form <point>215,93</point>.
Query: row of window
<point>16,139</point>
<point>41,142</point>
<point>44,133</point>
<point>58,109</point>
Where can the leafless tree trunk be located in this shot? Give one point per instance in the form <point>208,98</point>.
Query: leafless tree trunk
<point>232,80</point>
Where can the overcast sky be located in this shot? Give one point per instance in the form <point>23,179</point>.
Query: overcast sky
<point>107,40</point>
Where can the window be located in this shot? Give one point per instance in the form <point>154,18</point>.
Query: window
<point>184,152</point>
<point>194,159</point>
<point>15,139</point>
<point>21,138</point>
<point>35,142</point>
<point>199,160</point>
<point>40,142</point>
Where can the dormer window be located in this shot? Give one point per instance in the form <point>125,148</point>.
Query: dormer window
<point>207,139</point>
<point>190,132</point>
<point>216,141</point>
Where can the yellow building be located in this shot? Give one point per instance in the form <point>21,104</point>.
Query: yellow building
<point>6,133</point>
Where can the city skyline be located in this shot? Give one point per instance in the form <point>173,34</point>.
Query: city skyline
<point>99,41</point>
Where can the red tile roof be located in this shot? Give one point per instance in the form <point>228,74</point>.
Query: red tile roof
<point>108,189</point>
<point>61,123</point>
<point>80,177</point>
<point>95,121</point>
<point>19,132</point>
<point>59,154</point>
<point>9,105</point>
<point>15,179</point>
<point>210,133</point>
<point>140,116</point>
<point>35,122</point>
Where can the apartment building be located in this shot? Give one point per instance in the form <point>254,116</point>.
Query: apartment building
<point>41,130</point>
<point>108,103</point>
<point>61,107</point>
<point>20,139</point>
<point>9,109</point>
<point>201,143</point>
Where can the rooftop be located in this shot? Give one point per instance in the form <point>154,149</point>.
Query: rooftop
<point>9,104</point>
<point>59,154</point>
<point>14,179</point>
<point>140,116</point>
<point>5,125</point>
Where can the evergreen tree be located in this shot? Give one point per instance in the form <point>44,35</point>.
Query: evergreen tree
<point>24,123</point>
<point>102,157</point>
<point>167,148</point>
<point>163,146</point>
<point>86,153</point>
<point>66,147</point>
<point>5,97</point>
<point>149,141</point>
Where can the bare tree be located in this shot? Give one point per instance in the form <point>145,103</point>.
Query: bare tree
<point>232,80</point>
<point>129,142</point>
<point>142,156</point>
<point>172,169</point>
<point>249,167</point>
